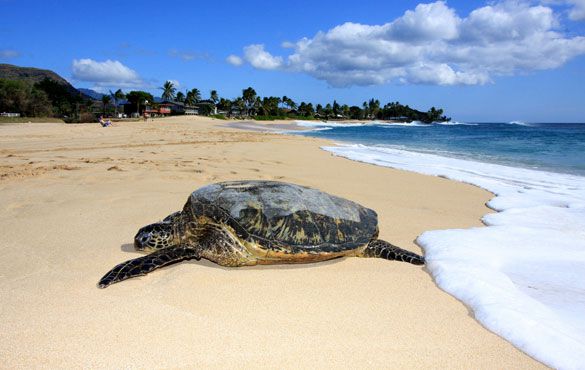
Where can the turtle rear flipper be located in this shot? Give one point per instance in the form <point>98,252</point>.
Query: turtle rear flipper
<point>144,265</point>
<point>383,249</point>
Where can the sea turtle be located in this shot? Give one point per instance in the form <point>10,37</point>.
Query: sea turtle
<point>245,223</point>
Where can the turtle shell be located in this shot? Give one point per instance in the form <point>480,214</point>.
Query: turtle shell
<point>286,216</point>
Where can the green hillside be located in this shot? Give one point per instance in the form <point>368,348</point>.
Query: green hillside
<point>33,76</point>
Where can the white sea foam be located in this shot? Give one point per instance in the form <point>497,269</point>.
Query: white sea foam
<point>308,129</point>
<point>327,124</point>
<point>403,124</point>
<point>454,123</point>
<point>331,124</point>
<point>520,123</point>
<point>523,275</point>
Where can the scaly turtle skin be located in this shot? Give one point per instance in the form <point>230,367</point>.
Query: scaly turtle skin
<point>245,223</point>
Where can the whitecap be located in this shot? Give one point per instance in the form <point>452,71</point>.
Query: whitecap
<point>454,123</point>
<point>326,124</point>
<point>520,123</point>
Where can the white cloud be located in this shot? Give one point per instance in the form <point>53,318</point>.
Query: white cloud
<point>577,13</point>
<point>432,45</point>
<point>576,10</point>
<point>260,58</point>
<point>9,53</point>
<point>427,22</point>
<point>107,73</point>
<point>234,60</point>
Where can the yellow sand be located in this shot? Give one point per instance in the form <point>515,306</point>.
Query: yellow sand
<point>73,196</point>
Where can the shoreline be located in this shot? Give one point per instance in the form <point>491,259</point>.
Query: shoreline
<point>504,251</point>
<point>123,177</point>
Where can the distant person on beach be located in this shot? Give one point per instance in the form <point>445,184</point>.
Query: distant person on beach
<point>105,123</point>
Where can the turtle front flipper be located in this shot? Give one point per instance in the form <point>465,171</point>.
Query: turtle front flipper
<point>382,249</point>
<point>144,265</point>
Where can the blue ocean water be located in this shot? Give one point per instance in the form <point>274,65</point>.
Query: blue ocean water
<point>555,147</point>
<point>522,276</point>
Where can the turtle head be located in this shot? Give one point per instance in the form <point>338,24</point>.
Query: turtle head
<point>154,237</point>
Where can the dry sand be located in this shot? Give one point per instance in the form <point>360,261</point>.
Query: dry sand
<point>73,196</point>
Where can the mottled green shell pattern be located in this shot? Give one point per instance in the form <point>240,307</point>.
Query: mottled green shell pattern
<point>286,216</point>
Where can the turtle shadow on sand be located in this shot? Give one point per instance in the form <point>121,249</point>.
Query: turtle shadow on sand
<point>129,248</point>
<point>250,223</point>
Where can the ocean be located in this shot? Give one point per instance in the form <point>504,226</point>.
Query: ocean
<point>523,275</point>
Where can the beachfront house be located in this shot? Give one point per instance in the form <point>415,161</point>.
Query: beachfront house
<point>206,107</point>
<point>203,107</point>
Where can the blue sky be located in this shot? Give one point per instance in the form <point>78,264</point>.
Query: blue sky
<point>480,61</point>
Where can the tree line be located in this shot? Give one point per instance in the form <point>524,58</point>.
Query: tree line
<point>50,98</point>
<point>250,104</point>
<point>43,99</point>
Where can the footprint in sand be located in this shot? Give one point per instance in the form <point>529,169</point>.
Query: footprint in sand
<point>115,168</point>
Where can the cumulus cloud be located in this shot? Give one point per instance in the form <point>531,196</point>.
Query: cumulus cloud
<point>260,58</point>
<point>577,13</point>
<point>432,45</point>
<point>234,60</point>
<point>107,73</point>
<point>9,53</point>
<point>427,22</point>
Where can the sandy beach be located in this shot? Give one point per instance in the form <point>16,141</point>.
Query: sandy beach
<point>73,197</point>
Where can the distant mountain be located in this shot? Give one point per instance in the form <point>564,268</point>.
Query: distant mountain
<point>91,93</point>
<point>35,75</point>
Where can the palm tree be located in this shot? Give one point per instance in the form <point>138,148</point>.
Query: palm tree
<point>240,103</point>
<point>213,96</point>
<point>180,97</point>
<point>168,91</point>
<point>374,107</point>
<point>226,105</point>
<point>117,96</point>
<point>319,109</point>
<point>328,110</point>
<point>335,108</point>
<point>189,98</point>
<point>193,97</point>
<point>257,106</point>
<point>196,95</point>
<point>249,97</point>
<point>105,101</point>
